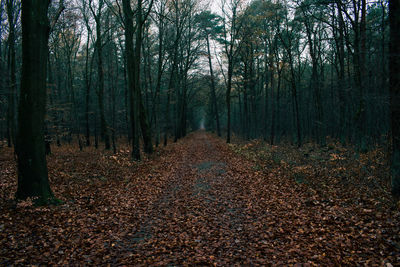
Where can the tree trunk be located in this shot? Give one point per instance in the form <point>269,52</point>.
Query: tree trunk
<point>362,120</point>
<point>146,129</point>
<point>100,69</point>
<point>394,69</point>
<point>246,121</point>
<point>1,62</point>
<point>12,79</point>
<point>87,91</point>
<point>156,110</point>
<point>138,103</point>
<point>228,99</point>
<point>295,99</point>
<point>341,76</point>
<point>265,85</point>
<point>32,168</point>
<point>128,15</point>
<point>315,85</point>
<point>171,84</point>
<point>278,103</point>
<point>126,98</point>
<point>273,104</point>
<point>213,94</point>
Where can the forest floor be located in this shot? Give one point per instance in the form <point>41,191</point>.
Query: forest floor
<point>202,202</point>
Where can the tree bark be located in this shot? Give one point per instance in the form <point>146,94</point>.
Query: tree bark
<point>141,112</point>
<point>230,55</point>
<point>341,76</point>
<point>100,72</point>
<point>12,79</point>
<point>315,83</point>
<point>213,95</point>
<point>362,120</point>
<point>394,69</point>
<point>88,79</point>
<point>128,15</point>
<point>32,168</point>
<point>156,106</point>
<point>228,99</point>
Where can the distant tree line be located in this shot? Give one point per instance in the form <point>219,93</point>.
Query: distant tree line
<point>298,70</point>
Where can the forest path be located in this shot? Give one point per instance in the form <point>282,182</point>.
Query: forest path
<point>195,202</point>
<point>219,208</point>
<point>203,215</point>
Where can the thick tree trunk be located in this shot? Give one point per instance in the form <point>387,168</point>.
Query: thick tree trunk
<point>32,168</point>
<point>394,64</point>
<point>138,103</point>
<point>128,15</point>
<point>133,56</point>
<point>146,129</point>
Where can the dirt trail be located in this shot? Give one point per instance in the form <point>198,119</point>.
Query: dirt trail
<point>219,210</point>
<point>196,203</point>
<point>201,216</point>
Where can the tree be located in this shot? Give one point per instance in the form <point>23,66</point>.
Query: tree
<point>290,40</point>
<point>161,25</point>
<point>88,68</point>
<point>394,61</point>
<point>230,35</point>
<point>178,11</point>
<point>100,70</point>
<point>208,23</point>
<point>129,54</point>
<point>312,28</point>
<point>133,57</point>
<point>141,18</point>
<point>189,48</point>
<point>13,9</point>
<point>1,45</point>
<point>32,168</point>
<point>70,40</point>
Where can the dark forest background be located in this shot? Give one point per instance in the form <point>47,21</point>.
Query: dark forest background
<point>301,70</point>
<point>285,71</point>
